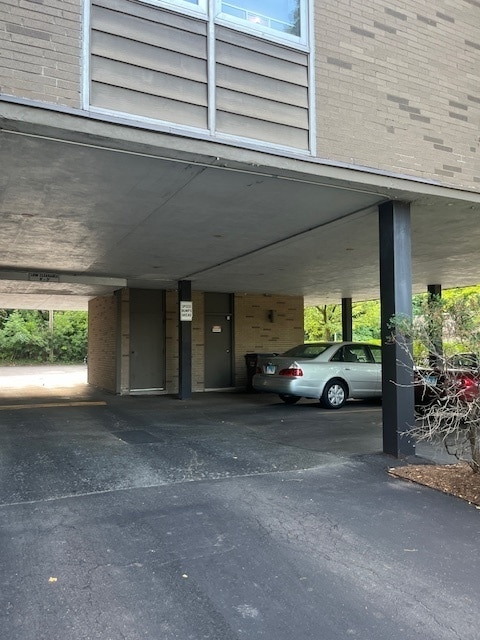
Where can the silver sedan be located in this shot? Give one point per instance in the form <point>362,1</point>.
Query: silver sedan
<point>329,371</point>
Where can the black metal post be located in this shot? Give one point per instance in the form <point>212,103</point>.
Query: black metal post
<point>184,339</point>
<point>435,294</point>
<point>347,324</point>
<point>396,300</point>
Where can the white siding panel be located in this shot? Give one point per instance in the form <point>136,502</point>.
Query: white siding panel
<point>147,81</point>
<point>148,56</point>
<point>238,58</point>
<point>143,67</point>
<point>258,45</point>
<point>255,85</point>
<point>154,33</point>
<point>141,104</point>
<point>262,130</point>
<point>268,110</point>
<point>153,14</point>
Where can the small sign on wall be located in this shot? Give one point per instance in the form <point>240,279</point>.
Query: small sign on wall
<point>186,311</point>
<point>216,328</point>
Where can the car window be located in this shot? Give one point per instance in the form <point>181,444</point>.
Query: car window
<point>348,353</point>
<point>307,350</point>
<point>376,353</point>
<point>464,360</point>
<point>353,353</point>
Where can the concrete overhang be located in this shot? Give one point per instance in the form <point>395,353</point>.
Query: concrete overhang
<point>99,205</point>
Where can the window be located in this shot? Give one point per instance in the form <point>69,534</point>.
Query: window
<point>282,19</point>
<point>181,5</point>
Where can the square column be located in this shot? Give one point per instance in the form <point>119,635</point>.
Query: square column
<point>347,324</point>
<point>184,340</point>
<point>396,300</point>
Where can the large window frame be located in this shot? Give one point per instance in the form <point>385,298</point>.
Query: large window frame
<point>262,27</point>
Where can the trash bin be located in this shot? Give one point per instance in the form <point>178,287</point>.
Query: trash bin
<point>251,360</point>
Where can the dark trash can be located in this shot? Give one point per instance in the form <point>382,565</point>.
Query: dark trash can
<point>251,360</point>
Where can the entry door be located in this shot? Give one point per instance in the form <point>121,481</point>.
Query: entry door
<point>218,341</point>
<point>147,340</point>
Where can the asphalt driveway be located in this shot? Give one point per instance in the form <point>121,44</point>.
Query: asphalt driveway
<point>228,516</point>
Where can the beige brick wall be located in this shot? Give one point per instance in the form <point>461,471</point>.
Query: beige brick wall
<point>398,86</point>
<point>255,333</point>
<point>198,341</point>
<point>40,50</point>
<point>102,342</point>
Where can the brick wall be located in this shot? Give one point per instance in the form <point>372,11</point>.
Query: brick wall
<point>102,342</point>
<point>255,333</point>
<point>198,341</point>
<point>40,50</point>
<point>398,86</point>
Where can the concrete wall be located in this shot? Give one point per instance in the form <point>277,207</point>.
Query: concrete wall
<point>399,88</point>
<point>102,343</point>
<point>40,46</point>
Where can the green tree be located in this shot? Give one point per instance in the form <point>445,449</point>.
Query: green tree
<point>366,320</point>
<point>24,336</point>
<point>322,322</point>
<point>70,335</point>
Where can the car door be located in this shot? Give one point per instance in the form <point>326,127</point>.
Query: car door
<point>376,352</point>
<point>359,369</point>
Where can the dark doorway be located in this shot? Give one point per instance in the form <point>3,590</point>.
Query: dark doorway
<point>218,340</point>
<point>147,340</point>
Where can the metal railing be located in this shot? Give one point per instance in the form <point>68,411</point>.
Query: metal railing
<point>257,18</point>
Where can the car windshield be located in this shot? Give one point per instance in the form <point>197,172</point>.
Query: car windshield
<point>307,350</point>
<point>463,360</point>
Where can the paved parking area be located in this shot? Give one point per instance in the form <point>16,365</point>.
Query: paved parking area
<point>225,517</point>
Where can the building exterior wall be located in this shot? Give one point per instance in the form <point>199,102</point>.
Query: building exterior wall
<point>40,50</point>
<point>102,343</point>
<point>398,89</point>
<point>256,333</point>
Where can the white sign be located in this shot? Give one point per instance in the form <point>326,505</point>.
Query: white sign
<point>186,310</point>
<point>43,277</point>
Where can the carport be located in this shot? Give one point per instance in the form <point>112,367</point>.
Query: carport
<point>91,206</point>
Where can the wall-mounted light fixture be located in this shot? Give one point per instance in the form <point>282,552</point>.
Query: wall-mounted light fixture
<point>271,315</point>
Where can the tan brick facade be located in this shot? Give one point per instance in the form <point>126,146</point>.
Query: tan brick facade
<point>102,343</point>
<point>399,89</point>
<point>396,89</point>
<point>40,50</point>
<point>255,332</point>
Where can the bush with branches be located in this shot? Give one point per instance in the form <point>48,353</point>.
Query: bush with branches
<point>450,412</point>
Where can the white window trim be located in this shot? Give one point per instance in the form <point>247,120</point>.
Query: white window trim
<point>266,33</point>
<point>181,6</point>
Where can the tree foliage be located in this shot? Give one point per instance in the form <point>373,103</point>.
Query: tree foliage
<point>26,336</point>
<point>322,322</point>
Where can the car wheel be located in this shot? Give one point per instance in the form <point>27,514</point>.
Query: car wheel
<point>334,395</point>
<point>288,399</point>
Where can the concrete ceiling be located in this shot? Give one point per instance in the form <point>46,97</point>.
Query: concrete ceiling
<point>79,218</point>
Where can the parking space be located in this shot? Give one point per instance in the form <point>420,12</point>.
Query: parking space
<point>223,517</point>
<point>72,439</point>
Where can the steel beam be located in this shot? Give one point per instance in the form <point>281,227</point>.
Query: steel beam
<point>396,300</point>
